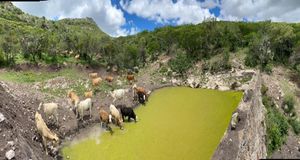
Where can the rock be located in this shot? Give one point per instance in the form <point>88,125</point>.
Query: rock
<point>174,81</point>
<point>234,120</point>
<point>216,87</point>
<point>11,143</point>
<point>136,69</point>
<point>164,80</point>
<point>248,95</point>
<point>2,118</point>
<point>119,83</point>
<point>235,85</point>
<point>285,107</point>
<point>277,98</point>
<point>223,88</point>
<point>10,154</point>
<point>193,82</point>
<point>115,68</point>
<point>174,74</point>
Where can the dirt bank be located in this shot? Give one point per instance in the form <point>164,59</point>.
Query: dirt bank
<point>18,131</point>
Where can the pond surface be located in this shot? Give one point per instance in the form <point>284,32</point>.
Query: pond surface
<point>176,123</point>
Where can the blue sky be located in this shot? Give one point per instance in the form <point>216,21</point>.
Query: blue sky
<point>145,24</point>
<point>126,17</point>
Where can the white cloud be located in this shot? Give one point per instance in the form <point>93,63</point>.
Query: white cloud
<point>167,11</point>
<point>109,18</point>
<point>112,21</point>
<point>258,10</point>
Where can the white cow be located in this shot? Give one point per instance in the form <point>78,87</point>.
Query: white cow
<point>118,94</point>
<point>83,106</point>
<point>50,109</point>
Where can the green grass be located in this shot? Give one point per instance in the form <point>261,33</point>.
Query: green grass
<point>37,76</point>
<point>176,123</point>
<point>276,124</point>
<point>295,123</point>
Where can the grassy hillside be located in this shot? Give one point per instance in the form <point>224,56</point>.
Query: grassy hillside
<point>26,38</point>
<point>39,39</point>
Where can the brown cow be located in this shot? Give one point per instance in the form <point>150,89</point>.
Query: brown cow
<point>109,78</point>
<point>130,78</point>
<point>93,75</point>
<point>139,90</point>
<point>96,81</point>
<point>74,98</point>
<point>88,94</point>
<point>106,119</point>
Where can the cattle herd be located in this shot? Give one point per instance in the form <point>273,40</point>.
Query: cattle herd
<point>116,114</point>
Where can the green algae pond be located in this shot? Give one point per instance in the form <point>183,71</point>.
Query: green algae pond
<point>176,123</point>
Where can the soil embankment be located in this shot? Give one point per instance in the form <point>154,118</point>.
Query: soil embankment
<point>17,130</point>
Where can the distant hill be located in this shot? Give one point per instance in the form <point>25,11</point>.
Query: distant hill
<point>36,36</point>
<point>14,17</point>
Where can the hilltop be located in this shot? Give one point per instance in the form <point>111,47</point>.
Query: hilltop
<point>36,36</point>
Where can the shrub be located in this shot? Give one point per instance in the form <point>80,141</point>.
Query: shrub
<point>289,102</point>
<point>220,62</point>
<point>295,125</point>
<point>163,69</point>
<point>181,63</point>
<point>277,129</point>
<point>298,68</point>
<point>276,123</point>
<point>268,68</point>
<point>2,60</point>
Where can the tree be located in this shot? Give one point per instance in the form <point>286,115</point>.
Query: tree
<point>181,63</point>
<point>33,45</point>
<point>9,48</point>
<point>282,38</point>
<point>52,49</point>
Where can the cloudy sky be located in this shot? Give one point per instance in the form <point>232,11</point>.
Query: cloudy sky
<point>125,17</point>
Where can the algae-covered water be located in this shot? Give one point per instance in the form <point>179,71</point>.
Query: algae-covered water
<point>176,123</point>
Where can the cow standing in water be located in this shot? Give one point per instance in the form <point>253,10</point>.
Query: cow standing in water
<point>139,93</point>
<point>127,112</point>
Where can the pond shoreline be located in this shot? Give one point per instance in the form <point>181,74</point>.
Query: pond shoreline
<point>71,126</point>
<point>185,92</point>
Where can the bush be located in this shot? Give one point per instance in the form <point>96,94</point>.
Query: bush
<point>276,123</point>
<point>289,102</point>
<point>268,68</point>
<point>219,63</point>
<point>295,125</point>
<point>277,129</point>
<point>298,68</point>
<point>2,60</point>
<point>181,63</point>
<point>163,69</point>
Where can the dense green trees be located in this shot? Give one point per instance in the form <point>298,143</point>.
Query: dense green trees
<point>273,43</point>
<point>38,39</point>
<point>8,45</point>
